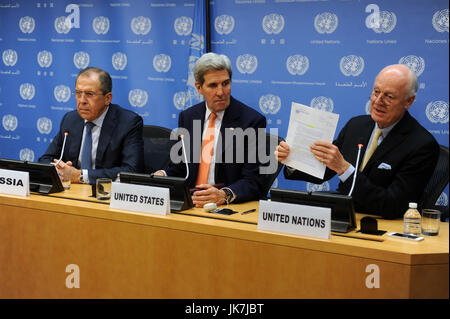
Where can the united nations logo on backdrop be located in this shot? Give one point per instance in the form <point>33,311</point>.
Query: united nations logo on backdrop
<point>415,63</point>
<point>324,187</point>
<point>119,61</point>
<point>437,112</point>
<point>27,91</point>
<point>27,24</point>
<point>387,22</point>
<point>269,104</point>
<point>61,26</point>
<point>138,97</point>
<point>297,64</point>
<point>351,65</point>
<point>45,59</point>
<point>9,122</point>
<point>44,125</point>
<point>62,93</point>
<point>100,25</point>
<point>81,59</point>
<point>442,200</point>
<point>367,108</point>
<point>197,42</point>
<point>140,25</point>
<point>183,25</point>
<point>224,24</point>
<point>322,103</point>
<point>440,20</point>
<point>179,100</point>
<point>326,22</point>
<point>9,57</point>
<point>26,154</point>
<point>273,23</point>
<point>162,63</point>
<point>246,63</point>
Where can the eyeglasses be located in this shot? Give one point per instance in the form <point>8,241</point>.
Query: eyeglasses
<point>89,94</point>
<point>387,98</point>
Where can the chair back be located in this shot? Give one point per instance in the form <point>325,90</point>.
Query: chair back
<point>157,145</point>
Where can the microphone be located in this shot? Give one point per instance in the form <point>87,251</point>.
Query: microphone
<point>66,132</point>
<point>356,169</point>
<point>183,149</point>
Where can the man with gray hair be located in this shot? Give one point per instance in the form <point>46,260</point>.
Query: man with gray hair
<point>214,166</point>
<point>399,154</point>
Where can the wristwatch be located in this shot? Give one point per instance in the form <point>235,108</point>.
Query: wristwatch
<point>81,179</point>
<point>229,196</point>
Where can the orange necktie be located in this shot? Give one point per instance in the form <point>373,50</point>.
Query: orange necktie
<point>207,152</point>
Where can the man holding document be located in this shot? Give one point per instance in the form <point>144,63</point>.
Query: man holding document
<point>398,155</point>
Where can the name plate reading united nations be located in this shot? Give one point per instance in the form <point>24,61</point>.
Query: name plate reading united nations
<point>294,219</point>
<point>140,198</point>
<point>14,182</point>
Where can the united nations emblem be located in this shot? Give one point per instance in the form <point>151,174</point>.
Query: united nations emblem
<point>326,22</point>
<point>440,21</point>
<point>367,108</point>
<point>297,64</point>
<point>224,24</point>
<point>26,154</point>
<point>81,59</point>
<point>322,103</point>
<point>324,187</point>
<point>179,100</point>
<point>44,59</point>
<point>27,91</point>
<point>183,25</point>
<point>442,200</point>
<point>437,112</point>
<point>61,26</point>
<point>269,104</point>
<point>273,23</point>
<point>9,122</point>
<point>138,97</point>
<point>162,63</point>
<point>119,61</point>
<point>197,42</point>
<point>140,25</point>
<point>415,63</point>
<point>387,22</point>
<point>62,93</point>
<point>9,57</point>
<point>100,25</point>
<point>351,65</point>
<point>247,63</point>
<point>44,125</point>
<point>27,24</point>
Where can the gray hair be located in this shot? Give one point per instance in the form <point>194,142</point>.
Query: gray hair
<point>103,77</point>
<point>412,83</point>
<point>209,62</point>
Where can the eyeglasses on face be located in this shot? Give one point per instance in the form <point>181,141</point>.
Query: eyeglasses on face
<point>387,98</point>
<point>88,94</point>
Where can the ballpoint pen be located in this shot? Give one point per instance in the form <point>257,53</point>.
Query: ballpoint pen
<point>249,211</point>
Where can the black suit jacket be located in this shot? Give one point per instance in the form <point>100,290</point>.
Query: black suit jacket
<point>242,176</point>
<point>410,151</point>
<point>120,146</point>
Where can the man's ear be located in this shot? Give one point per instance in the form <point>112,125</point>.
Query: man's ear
<point>108,98</point>
<point>409,102</point>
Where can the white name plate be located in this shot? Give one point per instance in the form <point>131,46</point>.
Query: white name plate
<point>140,198</point>
<point>294,219</point>
<point>14,182</point>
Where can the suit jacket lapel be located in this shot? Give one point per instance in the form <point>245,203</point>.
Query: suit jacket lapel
<point>108,126</point>
<point>75,137</point>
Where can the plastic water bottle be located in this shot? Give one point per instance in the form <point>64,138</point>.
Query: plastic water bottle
<point>412,220</point>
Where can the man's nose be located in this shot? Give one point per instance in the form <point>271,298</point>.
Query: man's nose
<point>219,90</point>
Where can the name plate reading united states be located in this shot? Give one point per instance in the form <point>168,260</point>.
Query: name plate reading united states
<point>294,219</point>
<point>14,182</point>
<point>140,198</point>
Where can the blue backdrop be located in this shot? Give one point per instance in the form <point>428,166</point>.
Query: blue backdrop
<point>325,54</point>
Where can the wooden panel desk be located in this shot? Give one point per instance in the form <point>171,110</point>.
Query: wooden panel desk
<point>123,254</point>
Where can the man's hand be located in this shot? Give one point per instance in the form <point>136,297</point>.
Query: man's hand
<point>282,151</point>
<point>159,173</point>
<point>328,154</point>
<point>75,172</point>
<point>208,194</point>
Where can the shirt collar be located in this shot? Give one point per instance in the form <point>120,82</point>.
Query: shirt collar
<point>208,113</point>
<point>99,120</point>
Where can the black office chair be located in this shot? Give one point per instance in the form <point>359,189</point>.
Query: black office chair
<point>437,183</point>
<point>271,140</point>
<point>157,145</point>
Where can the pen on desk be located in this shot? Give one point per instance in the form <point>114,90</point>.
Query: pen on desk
<point>249,211</point>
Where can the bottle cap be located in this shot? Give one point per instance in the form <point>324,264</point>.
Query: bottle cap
<point>412,205</point>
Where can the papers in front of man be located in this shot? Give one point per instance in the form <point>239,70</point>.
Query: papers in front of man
<point>307,125</point>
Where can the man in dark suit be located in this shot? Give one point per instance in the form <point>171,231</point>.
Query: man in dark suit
<point>104,139</point>
<point>225,179</point>
<point>403,157</point>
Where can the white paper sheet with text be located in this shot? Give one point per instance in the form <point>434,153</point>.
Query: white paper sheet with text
<point>307,125</point>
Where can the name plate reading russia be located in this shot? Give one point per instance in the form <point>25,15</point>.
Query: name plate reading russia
<point>294,219</point>
<point>140,198</point>
<point>14,182</point>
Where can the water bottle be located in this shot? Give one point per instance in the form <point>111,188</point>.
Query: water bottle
<point>412,220</point>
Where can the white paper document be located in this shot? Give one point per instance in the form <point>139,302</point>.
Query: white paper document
<point>307,125</point>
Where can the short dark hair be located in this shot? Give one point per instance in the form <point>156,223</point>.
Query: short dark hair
<point>103,76</point>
